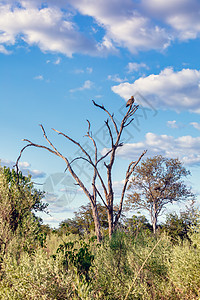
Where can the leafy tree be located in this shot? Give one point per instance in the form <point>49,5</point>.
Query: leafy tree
<point>18,203</point>
<point>180,226</point>
<point>68,226</point>
<point>137,223</point>
<point>156,183</point>
<point>93,192</point>
<point>83,221</point>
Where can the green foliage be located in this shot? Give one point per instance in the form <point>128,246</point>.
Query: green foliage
<point>40,263</point>
<point>83,269</point>
<point>83,221</point>
<point>80,258</point>
<point>156,183</point>
<point>184,268</point>
<point>137,223</point>
<point>19,227</point>
<point>180,226</point>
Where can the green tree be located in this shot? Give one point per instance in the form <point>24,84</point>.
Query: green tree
<point>156,183</point>
<point>18,203</point>
<point>180,226</point>
<point>83,221</point>
<point>137,223</point>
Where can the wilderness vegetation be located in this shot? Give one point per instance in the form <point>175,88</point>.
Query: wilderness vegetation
<point>101,253</point>
<point>38,262</point>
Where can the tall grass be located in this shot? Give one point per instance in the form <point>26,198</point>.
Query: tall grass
<point>125,267</point>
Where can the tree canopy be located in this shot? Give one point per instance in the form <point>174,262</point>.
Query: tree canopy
<point>156,183</point>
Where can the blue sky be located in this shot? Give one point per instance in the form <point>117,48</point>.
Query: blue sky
<point>56,56</point>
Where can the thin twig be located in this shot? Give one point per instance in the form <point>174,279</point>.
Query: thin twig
<point>111,116</point>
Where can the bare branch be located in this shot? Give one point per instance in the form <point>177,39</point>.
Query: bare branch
<point>111,116</point>
<point>104,156</point>
<point>56,152</point>
<point>100,196</point>
<point>22,150</point>
<point>85,152</point>
<point>88,126</point>
<point>76,158</point>
<point>73,141</point>
<point>110,133</point>
<point>48,139</point>
<point>129,172</point>
<point>129,122</point>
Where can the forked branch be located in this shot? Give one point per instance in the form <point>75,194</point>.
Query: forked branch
<point>111,116</point>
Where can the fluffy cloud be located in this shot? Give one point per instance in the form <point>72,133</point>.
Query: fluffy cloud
<point>58,61</point>
<point>49,28</point>
<point>172,124</point>
<point>124,25</point>
<point>24,167</point>
<point>88,84</point>
<point>4,50</point>
<point>135,25</point>
<point>169,89</point>
<point>195,125</point>
<point>116,78</point>
<point>39,77</point>
<point>186,148</point>
<point>135,67</point>
<point>181,15</point>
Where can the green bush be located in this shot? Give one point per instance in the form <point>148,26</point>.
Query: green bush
<point>184,267</point>
<point>20,229</point>
<point>136,266</point>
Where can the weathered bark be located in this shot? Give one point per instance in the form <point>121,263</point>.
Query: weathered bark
<point>110,222</point>
<point>154,222</point>
<point>96,222</point>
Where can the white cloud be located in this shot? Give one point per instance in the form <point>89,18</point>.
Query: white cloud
<point>87,85</point>
<point>116,78</point>
<point>4,50</point>
<point>89,70</point>
<point>172,124</point>
<point>135,67</point>
<point>168,90</point>
<point>39,77</point>
<point>181,15</point>
<point>49,28</point>
<point>24,167</point>
<point>186,148</point>
<point>124,25</point>
<point>195,125</point>
<point>57,62</point>
<point>140,25</point>
<point>24,164</point>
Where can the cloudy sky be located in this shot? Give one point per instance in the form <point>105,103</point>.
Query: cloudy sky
<point>58,55</point>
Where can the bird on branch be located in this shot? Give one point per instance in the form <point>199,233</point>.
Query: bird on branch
<point>130,101</point>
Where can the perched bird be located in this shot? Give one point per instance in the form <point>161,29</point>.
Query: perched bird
<point>130,101</point>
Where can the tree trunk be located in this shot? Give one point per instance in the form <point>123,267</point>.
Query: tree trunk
<point>154,223</point>
<point>96,222</point>
<point>110,222</point>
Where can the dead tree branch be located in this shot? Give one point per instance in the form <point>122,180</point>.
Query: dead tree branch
<point>111,116</point>
<point>129,172</point>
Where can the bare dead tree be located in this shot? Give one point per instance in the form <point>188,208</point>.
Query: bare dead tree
<point>107,197</point>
